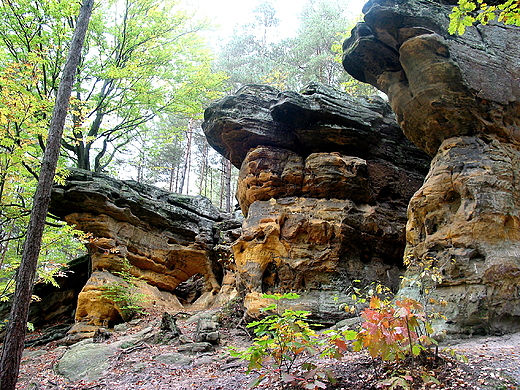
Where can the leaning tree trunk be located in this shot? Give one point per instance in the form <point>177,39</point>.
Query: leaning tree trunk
<point>16,328</point>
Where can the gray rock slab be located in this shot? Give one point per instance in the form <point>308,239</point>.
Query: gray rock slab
<point>86,361</point>
<point>174,358</point>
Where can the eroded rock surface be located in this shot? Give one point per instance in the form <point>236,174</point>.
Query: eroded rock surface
<point>324,182</point>
<point>319,119</point>
<point>458,99</point>
<point>438,85</point>
<point>164,238</point>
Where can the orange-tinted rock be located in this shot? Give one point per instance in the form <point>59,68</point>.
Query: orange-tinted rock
<point>165,238</point>
<point>95,307</point>
<point>466,216</point>
<point>272,173</point>
<point>324,194</point>
<point>458,99</point>
<point>269,172</point>
<point>318,246</point>
<point>439,85</point>
<point>333,176</point>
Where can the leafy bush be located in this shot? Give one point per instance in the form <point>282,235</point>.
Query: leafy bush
<point>394,331</point>
<point>399,332</point>
<point>125,294</point>
<point>284,349</point>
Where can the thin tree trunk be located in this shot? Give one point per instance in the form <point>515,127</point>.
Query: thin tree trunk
<point>211,185</point>
<point>188,155</point>
<point>228,184</point>
<point>185,174</point>
<point>176,165</point>
<point>16,328</point>
<point>203,184</point>
<point>222,182</point>
<point>172,181</point>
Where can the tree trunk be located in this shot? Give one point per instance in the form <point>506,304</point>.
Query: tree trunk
<point>172,178</point>
<point>228,185</point>
<point>203,174</point>
<point>16,328</point>
<point>222,194</point>
<point>185,174</point>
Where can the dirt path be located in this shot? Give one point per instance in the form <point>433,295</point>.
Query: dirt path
<point>493,364</point>
<point>496,356</point>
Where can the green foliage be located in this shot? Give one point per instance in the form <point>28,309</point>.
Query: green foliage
<point>152,63</point>
<point>254,55</point>
<point>396,331</point>
<point>427,275</point>
<point>361,295</point>
<point>23,113</point>
<point>284,348</point>
<point>468,12</point>
<point>142,60</point>
<point>125,294</point>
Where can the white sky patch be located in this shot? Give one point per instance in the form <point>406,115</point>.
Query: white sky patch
<point>230,14</point>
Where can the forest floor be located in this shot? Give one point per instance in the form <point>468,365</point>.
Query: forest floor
<point>493,363</point>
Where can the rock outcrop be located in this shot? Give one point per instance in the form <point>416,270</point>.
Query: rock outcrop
<point>458,99</point>
<point>157,236</point>
<point>324,182</point>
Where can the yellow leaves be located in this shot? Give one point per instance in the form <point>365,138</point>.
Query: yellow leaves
<point>277,78</point>
<point>61,175</point>
<point>468,12</point>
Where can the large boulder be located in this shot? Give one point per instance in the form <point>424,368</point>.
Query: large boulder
<point>439,85</point>
<point>154,235</point>
<point>458,99</point>
<point>324,194</point>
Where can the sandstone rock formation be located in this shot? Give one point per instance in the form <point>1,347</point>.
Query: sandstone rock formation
<point>164,238</point>
<point>324,182</point>
<point>458,99</point>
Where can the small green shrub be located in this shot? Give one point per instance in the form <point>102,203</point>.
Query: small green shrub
<point>284,348</point>
<point>125,294</point>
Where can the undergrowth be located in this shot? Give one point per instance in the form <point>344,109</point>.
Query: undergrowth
<point>125,294</point>
<point>397,333</point>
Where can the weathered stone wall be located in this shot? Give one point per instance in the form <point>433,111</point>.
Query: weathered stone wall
<point>324,183</point>
<point>165,239</point>
<point>458,99</point>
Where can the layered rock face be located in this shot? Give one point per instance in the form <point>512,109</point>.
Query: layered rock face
<point>458,99</point>
<point>324,183</point>
<point>159,237</point>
